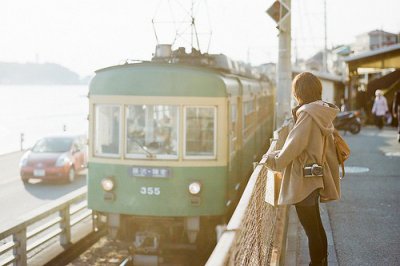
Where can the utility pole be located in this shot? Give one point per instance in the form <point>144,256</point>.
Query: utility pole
<point>280,12</point>
<point>284,68</point>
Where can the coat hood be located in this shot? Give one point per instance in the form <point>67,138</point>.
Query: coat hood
<point>323,114</point>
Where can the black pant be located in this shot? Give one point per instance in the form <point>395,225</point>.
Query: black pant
<point>310,218</point>
<point>398,121</point>
<point>379,121</point>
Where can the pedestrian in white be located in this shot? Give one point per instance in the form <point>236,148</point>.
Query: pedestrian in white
<point>380,108</point>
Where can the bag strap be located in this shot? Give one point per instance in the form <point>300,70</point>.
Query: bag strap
<point>323,151</point>
<point>340,158</point>
<point>341,162</point>
<point>339,154</point>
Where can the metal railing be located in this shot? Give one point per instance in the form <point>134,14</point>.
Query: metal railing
<point>256,232</point>
<point>248,237</point>
<point>42,227</point>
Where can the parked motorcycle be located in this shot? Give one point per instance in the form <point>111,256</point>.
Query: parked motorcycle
<point>348,121</point>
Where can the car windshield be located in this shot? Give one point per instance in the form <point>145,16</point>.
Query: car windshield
<point>53,145</point>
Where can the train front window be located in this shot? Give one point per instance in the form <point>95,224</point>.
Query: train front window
<point>107,131</point>
<point>152,131</point>
<point>200,137</point>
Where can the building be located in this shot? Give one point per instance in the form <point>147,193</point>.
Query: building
<point>374,40</point>
<point>334,61</point>
<point>333,86</point>
<point>268,69</point>
<point>372,70</point>
<point>338,55</point>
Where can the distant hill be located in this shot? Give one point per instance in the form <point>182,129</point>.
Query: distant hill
<point>43,74</point>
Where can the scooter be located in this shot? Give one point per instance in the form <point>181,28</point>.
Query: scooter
<point>348,121</point>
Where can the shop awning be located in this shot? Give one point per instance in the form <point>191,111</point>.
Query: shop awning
<point>387,57</point>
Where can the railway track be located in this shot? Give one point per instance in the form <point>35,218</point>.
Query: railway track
<point>104,252</point>
<point>98,249</point>
<point>73,252</point>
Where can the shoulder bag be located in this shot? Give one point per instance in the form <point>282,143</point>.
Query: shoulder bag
<point>342,149</point>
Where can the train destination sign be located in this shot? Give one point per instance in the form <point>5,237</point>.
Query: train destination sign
<point>158,172</point>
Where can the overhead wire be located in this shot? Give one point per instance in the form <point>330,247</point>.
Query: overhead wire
<point>307,38</point>
<point>209,25</point>
<point>181,28</point>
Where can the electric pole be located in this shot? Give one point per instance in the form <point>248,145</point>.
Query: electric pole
<point>280,12</point>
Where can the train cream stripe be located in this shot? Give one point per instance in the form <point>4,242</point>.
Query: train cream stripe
<point>156,100</point>
<point>185,163</point>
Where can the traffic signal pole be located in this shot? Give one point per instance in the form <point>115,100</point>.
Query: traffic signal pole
<point>284,68</point>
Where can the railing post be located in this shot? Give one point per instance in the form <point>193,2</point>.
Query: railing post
<point>20,249</point>
<point>284,220</point>
<point>65,225</point>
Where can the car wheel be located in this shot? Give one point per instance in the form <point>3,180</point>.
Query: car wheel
<point>71,174</point>
<point>25,180</point>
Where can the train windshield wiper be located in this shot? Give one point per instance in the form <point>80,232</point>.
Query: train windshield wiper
<point>145,149</point>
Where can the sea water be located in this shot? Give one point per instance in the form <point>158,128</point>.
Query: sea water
<point>35,111</point>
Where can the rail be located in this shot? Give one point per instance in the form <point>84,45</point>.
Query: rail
<point>25,239</point>
<point>256,232</point>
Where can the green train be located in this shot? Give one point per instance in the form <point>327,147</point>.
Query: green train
<point>172,145</point>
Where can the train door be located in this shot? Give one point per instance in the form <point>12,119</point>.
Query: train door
<point>236,183</point>
<point>248,129</point>
<point>235,157</point>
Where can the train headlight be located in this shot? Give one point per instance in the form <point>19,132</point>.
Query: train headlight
<point>194,188</point>
<point>107,183</point>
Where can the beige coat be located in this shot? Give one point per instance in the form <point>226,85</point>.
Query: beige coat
<point>304,145</point>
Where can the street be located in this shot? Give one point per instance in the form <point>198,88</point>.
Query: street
<point>366,221</point>
<point>18,199</point>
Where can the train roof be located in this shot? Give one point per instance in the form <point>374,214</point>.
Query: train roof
<point>174,73</point>
<point>161,79</point>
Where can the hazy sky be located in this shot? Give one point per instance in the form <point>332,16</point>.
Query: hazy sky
<point>85,35</point>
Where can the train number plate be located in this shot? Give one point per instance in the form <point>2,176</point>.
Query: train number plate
<point>152,191</point>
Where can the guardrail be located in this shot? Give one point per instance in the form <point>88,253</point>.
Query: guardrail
<point>42,227</point>
<point>248,237</point>
<point>256,232</point>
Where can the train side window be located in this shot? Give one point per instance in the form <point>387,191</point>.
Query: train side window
<point>200,132</point>
<point>107,130</point>
<point>248,114</point>
<point>262,105</point>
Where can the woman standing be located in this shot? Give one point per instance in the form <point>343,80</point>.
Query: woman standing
<point>309,163</point>
<point>380,108</point>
